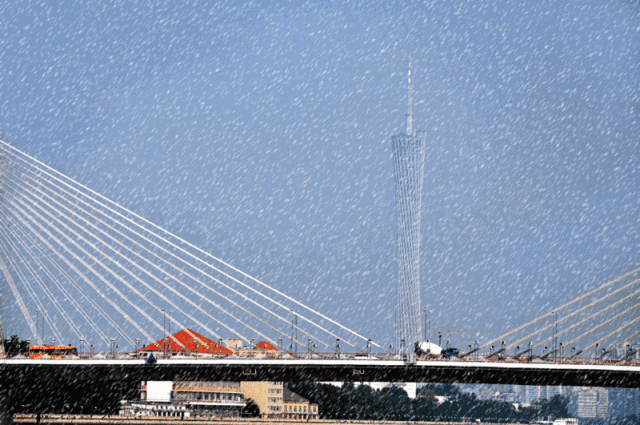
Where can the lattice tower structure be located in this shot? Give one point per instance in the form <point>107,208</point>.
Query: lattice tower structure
<point>408,161</point>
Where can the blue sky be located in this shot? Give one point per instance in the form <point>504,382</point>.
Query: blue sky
<point>261,132</point>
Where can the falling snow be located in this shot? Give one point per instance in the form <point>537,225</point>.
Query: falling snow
<point>261,133</point>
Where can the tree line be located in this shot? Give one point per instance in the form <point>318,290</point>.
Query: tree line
<point>362,402</point>
<point>13,346</point>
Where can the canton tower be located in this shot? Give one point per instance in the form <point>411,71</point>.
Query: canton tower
<point>408,164</point>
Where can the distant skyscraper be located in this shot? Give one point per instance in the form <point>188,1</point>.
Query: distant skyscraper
<point>408,161</point>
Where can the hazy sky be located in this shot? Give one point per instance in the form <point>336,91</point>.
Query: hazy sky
<point>260,131</point>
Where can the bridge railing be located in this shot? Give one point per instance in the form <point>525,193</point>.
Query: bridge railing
<point>409,358</point>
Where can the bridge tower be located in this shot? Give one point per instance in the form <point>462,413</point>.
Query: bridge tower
<point>408,161</point>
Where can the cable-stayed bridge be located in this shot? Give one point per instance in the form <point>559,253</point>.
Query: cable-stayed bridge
<point>85,270</point>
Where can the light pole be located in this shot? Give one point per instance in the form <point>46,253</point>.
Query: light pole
<point>424,319</point>
<point>112,342</point>
<point>555,336</point>
<point>164,333</point>
<point>81,346</point>
<point>137,344</point>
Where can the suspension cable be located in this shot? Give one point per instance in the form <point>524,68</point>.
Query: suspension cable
<point>606,285</point>
<point>146,272</point>
<point>191,276</point>
<point>188,244</point>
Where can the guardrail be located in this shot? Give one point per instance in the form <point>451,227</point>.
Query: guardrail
<point>410,358</point>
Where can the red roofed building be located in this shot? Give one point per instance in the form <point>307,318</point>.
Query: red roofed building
<point>186,341</point>
<point>267,346</point>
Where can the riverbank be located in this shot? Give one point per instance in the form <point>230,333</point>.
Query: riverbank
<point>124,420</point>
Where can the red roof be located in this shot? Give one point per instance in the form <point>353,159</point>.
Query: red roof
<point>192,341</point>
<point>264,345</point>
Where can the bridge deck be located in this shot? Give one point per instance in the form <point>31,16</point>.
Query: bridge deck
<point>325,370</point>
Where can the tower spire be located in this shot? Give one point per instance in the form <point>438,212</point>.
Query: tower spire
<point>409,109</point>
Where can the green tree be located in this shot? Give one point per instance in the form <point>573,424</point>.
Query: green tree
<point>251,410</point>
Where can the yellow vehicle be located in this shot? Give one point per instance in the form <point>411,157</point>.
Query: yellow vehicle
<point>52,351</point>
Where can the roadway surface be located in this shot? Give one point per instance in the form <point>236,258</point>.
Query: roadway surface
<point>26,371</point>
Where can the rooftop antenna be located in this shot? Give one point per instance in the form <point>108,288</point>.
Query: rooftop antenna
<point>409,110</point>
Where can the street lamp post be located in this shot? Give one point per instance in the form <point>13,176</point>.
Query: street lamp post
<point>81,346</point>
<point>164,333</point>
<point>424,319</point>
